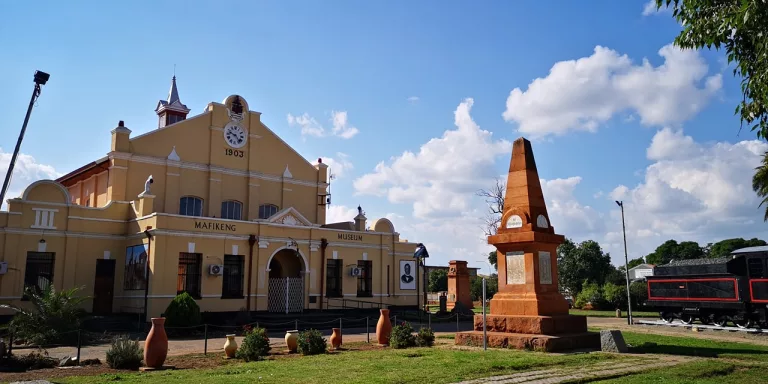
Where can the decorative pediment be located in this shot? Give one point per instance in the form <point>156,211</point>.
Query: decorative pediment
<point>290,216</point>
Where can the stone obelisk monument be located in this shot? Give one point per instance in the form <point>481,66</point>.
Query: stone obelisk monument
<point>528,312</point>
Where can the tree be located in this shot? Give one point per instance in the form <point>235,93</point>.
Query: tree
<point>672,250</point>
<point>476,287</point>
<point>725,247</point>
<point>741,27</point>
<point>616,295</point>
<point>52,318</point>
<point>492,259</point>
<point>494,197</point>
<point>635,262</point>
<point>760,184</point>
<point>438,280</point>
<point>583,262</point>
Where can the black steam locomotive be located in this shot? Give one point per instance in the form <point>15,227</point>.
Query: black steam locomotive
<point>714,291</point>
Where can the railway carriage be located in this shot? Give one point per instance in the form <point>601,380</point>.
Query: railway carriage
<point>714,291</point>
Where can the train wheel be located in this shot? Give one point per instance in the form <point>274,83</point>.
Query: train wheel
<point>686,319</point>
<point>743,323</point>
<point>720,321</point>
<point>705,319</point>
<point>666,316</point>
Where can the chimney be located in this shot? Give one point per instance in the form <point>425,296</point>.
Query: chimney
<point>121,138</point>
<point>360,220</point>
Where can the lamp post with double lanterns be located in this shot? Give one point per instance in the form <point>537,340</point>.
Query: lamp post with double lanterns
<point>626,263</point>
<point>40,79</point>
<point>420,253</point>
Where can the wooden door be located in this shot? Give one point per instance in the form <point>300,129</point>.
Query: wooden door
<point>103,287</point>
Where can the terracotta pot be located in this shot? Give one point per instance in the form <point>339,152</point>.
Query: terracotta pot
<point>291,339</point>
<point>156,345</point>
<point>230,346</point>
<point>383,328</point>
<point>336,338</point>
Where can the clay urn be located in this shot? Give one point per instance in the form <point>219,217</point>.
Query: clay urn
<point>336,338</point>
<point>291,339</point>
<point>230,347</point>
<point>383,328</point>
<point>156,345</point>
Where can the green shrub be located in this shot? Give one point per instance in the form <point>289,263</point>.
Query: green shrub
<point>311,342</point>
<point>590,294</point>
<point>255,344</point>
<point>124,353</point>
<point>183,311</point>
<point>402,336</point>
<point>639,293</point>
<point>54,316</point>
<point>615,295</point>
<point>425,337</point>
<point>34,360</point>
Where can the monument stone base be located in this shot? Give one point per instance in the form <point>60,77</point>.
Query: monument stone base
<point>543,333</point>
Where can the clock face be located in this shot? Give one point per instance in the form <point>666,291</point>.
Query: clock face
<point>235,135</point>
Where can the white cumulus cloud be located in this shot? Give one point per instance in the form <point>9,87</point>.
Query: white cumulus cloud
<point>582,94</point>
<point>339,165</point>
<point>26,171</point>
<point>340,126</point>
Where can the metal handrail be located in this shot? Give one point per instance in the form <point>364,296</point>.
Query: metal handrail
<point>352,304</point>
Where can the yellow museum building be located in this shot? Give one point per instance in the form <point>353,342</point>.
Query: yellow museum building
<point>225,210</point>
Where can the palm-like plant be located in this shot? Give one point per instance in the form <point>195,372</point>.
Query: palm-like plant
<point>52,316</point>
<point>760,183</point>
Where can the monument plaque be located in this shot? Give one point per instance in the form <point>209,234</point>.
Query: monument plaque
<point>515,268</point>
<point>545,268</point>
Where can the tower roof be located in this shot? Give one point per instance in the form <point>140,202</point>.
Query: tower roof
<point>524,196</point>
<point>173,102</point>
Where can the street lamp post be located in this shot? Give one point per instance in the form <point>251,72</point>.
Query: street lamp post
<point>40,79</point>
<point>626,263</point>
<point>420,253</point>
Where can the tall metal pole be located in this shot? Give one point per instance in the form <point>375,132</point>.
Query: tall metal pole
<point>626,265</point>
<point>35,94</point>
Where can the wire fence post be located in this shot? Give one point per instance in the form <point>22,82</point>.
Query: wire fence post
<point>395,319</point>
<point>296,324</point>
<point>367,330</point>
<point>340,328</point>
<point>79,344</point>
<point>429,320</point>
<point>10,343</point>
<point>205,345</point>
<point>457,321</point>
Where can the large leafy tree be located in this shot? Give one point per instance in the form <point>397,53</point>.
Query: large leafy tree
<point>672,250</point>
<point>725,247</point>
<point>582,262</point>
<point>492,258</point>
<point>741,28</point>
<point>438,280</point>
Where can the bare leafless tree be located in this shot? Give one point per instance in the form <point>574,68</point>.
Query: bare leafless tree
<point>494,197</point>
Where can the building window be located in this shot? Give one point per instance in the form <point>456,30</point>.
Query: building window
<point>365,280</point>
<point>267,210</point>
<point>173,119</point>
<point>44,218</point>
<point>135,276</point>
<point>232,210</point>
<point>191,206</point>
<point>38,274</point>
<point>190,273</point>
<point>333,278</point>
<point>233,277</point>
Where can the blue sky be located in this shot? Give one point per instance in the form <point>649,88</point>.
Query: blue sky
<point>400,70</point>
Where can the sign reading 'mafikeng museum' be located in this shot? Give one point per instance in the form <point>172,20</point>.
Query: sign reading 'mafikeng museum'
<point>350,237</point>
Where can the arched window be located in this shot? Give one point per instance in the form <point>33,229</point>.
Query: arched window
<point>267,210</point>
<point>231,209</point>
<point>191,206</point>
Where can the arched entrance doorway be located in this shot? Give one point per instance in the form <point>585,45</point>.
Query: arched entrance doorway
<point>286,281</point>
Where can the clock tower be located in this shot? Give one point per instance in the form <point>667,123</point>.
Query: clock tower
<point>171,111</point>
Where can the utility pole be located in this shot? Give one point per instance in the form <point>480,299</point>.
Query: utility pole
<point>40,79</point>
<point>626,263</point>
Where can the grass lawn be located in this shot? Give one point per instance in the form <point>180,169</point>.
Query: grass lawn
<point>437,365</point>
<point>729,362</point>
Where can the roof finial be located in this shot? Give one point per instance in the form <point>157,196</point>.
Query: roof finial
<point>174,71</point>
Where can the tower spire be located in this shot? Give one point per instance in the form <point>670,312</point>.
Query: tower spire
<point>524,195</point>
<point>171,110</point>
